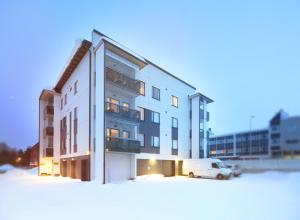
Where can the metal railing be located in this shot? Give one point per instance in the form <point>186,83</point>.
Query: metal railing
<point>122,145</point>
<point>123,80</point>
<point>123,112</point>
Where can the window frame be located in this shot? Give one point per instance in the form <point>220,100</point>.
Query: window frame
<point>144,88</point>
<point>157,89</point>
<point>152,142</point>
<point>174,119</point>
<point>176,147</point>
<point>152,117</point>
<point>143,109</point>
<point>75,87</point>
<point>177,101</point>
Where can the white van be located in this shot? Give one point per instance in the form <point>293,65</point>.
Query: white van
<point>208,168</point>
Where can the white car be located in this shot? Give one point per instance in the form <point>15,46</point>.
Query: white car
<point>236,169</point>
<point>207,168</point>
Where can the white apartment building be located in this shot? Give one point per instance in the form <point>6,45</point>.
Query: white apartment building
<point>114,115</point>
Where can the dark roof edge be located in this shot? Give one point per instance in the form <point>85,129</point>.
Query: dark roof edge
<point>204,96</point>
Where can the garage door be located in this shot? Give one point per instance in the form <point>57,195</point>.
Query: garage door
<point>118,167</point>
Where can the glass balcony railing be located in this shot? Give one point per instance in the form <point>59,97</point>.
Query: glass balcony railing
<point>123,81</point>
<point>122,145</point>
<point>122,112</point>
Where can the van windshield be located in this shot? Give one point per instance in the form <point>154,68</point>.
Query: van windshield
<point>221,165</point>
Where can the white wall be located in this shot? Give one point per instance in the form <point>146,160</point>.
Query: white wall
<point>168,86</point>
<point>81,101</point>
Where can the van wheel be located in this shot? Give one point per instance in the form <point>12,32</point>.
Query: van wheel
<point>191,174</point>
<point>220,177</point>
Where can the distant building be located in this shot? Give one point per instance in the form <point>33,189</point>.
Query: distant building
<point>34,155</point>
<point>281,139</point>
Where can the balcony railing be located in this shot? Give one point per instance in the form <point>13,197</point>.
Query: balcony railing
<point>49,131</point>
<point>49,110</point>
<point>49,152</point>
<point>122,80</point>
<point>122,145</point>
<point>122,112</point>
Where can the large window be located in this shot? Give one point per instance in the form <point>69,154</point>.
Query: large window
<point>141,138</point>
<point>142,113</point>
<point>154,141</point>
<point>112,104</point>
<point>155,93</point>
<point>175,144</point>
<point>174,123</point>
<point>155,117</point>
<point>175,101</point>
<point>142,88</point>
<point>110,132</point>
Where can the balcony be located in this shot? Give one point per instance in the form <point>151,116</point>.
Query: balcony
<point>49,110</point>
<point>49,152</point>
<point>122,112</point>
<point>49,131</point>
<point>123,81</point>
<point>122,145</point>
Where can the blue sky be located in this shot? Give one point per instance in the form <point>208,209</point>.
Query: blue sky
<point>243,54</point>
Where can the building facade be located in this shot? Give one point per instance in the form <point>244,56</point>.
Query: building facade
<point>114,115</point>
<point>281,139</point>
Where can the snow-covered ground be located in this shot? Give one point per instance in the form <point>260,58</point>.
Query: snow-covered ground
<point>272,195</point>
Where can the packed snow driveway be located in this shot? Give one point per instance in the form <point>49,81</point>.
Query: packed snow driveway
<point>272,195</point>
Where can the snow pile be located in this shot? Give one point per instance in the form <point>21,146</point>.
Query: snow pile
<point>6,167</point>
<point>271,195</point>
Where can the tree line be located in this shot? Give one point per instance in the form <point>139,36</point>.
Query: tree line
<point>9,155</point>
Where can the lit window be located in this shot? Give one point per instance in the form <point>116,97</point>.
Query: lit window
<point>112,132</point>
<point>154,141</point>
<point>142,88</point>
<point>155,117</point>
<point>125,134</point>
<point>175,101</point>
<point>142,113</point>
<point>155,93</point>
<point>174,123</point>
<point>175,144</point>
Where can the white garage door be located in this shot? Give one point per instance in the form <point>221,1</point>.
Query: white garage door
<point>118,167</point>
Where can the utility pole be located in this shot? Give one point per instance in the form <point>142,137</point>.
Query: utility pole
<point>250,135</point>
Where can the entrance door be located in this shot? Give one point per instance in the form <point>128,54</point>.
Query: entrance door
<point>73,169</point>
<point>85,173</point>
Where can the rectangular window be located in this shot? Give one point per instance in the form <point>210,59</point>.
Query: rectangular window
<point>175,101</point>
<point>65,98</point>
<point>142,113</point>
<point>125,106</point>
<point>113,105</point>
<point>141,138</point>
<point>174,123</point>
<point>61,103</point>
<point>142,88</point>
<point>154,141</point>
<point>125,134</point>
<point>112,132</point>
<point>155,93</point>
<point>75,129</point>
<point>155,117</point>
<point>175,144</point>
<point>70,130</point>
<point>76,87</point>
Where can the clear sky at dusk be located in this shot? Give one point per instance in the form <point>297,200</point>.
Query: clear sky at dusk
<point>245,55</point>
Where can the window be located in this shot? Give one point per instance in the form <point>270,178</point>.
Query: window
<point>142,88</point>
<point>154,141</point>
<point>175,144</point>
<point>174,123</point>
<point>110,132</point>
<point>175,101</point>
<point>214,165</point>
<point>155,93</point>
<point>75,129</point>
<point>76,87</point>
<point>125,106</point>
<point>112,104</point>
<point>61,103</point>
<point>65,98</point>
<point>142,113</point>
<point>125,134</point>
<point>70,130</point>
<point>141,138</point>
<point>155,117</point>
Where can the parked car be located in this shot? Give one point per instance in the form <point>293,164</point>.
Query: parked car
<point>207,168</point>
<point>236,169</point>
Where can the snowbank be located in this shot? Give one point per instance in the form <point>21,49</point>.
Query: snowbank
<point>6,167</point>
